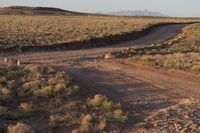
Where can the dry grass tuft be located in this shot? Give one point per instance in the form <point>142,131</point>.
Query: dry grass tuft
<point>86,124</point>
<point>20,128</point>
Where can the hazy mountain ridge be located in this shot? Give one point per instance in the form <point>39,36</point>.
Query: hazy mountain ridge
<point>25,10</point>
<point>137,13</point>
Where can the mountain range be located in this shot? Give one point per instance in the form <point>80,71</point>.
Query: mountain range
<point>25,10</point>
<point>137,13</point>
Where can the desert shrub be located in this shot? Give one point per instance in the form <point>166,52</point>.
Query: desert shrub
<point>20,128</point>
<point>44,91</point>
<point>55,90</point>
<point>72,90</point>
<point>3,110</point>
<point>73,116</point>
<point>31,85</point>
<point>102,102</point>
<point>86,124</point>
<point>180,61</point>
<point>33,72</point>
<point>120,116</point>
<point>5,93</point>
<point>3,80</point>
<point>60,87</point>
<point>110,110</point>
<point>52,81</point>
<point>15,86</point>
<point>26,107</point>
<point>117,115</point>
<point>195,68</point>
<point>97,100</point>
<point>55,120</point>
<point>102,123</point>
<point>109,116</point>
<point>168,64</point>
<point>50,70</point>
<point>60,75</point>
<point>33,68</point>
<point>75,131</point>
<point>11,84</point>
<point>110,105</point>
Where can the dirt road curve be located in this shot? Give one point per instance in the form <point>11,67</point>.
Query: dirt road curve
<point>159,34</point>
<point>142,90</point>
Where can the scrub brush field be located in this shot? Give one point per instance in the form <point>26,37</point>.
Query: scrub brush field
<point>180,52</point>
<point>41,99</point>
<point>51,30</point>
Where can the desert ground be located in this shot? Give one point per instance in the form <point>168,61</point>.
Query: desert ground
<point>155,76</point>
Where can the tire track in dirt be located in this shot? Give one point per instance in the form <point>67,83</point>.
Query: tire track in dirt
<point>142,91</point>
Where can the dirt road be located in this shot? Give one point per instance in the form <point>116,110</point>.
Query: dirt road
<point>143,91</point>
<point>157,35</point>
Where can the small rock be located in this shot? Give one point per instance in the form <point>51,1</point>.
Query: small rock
<point>108,56</point>
<point>170,43</point>
<point>152,44</point>
<point>128,49</point>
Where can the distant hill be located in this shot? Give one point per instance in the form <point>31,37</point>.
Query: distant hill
<point>137,13</point>
<point>24,10</point>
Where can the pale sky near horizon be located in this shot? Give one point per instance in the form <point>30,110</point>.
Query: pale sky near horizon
<point>177,8</point>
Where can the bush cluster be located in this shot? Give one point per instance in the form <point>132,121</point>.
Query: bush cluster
<point>31,91</point>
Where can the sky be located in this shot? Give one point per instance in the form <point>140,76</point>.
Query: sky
<point>174,8</point>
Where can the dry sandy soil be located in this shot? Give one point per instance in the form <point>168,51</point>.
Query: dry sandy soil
<point>157,100</point>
